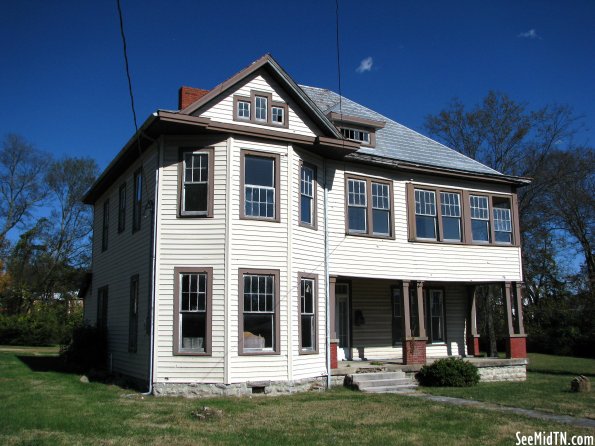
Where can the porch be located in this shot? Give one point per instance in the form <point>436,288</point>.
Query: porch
<point>409,323</point>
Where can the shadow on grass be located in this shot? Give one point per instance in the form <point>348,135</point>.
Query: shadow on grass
<point>560,372</point>
<point>47,364</point>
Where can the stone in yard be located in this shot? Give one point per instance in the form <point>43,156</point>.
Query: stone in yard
<point>84,379</point>
<point>580,384</point>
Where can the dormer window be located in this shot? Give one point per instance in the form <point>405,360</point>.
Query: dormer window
<point>259,108</point>
<point>356,135</point>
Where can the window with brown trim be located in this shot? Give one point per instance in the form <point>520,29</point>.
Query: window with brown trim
<point>196,182</point>
<point>259,328</point>
<point>137,201</point>
<point>105,225</point>
<point>308,303</point>
<point>133,315</point>
<point>192,310</point>
<point>122,208</point>
<point>460,216</point>
<point>436,316</point>
<point>259,108</point>
<point>260,180</point>
<point>369,206</point>
<point>308,195</point>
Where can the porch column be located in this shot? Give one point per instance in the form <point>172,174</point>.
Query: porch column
<point>472,335</point>
<point>414,347</point>
<point>334,342</point>
<point>516,343</point>
<point>519,308</point>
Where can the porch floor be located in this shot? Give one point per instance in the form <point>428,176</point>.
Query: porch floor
<point>390,365</point>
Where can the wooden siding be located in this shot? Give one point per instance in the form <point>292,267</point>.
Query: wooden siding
<point>373,339</point>
<point>186,242</point>
<point>127,254</point>
<point>401,259</point>
<point>298,122</point>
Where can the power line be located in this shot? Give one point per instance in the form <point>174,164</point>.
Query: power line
<point>339,60</point>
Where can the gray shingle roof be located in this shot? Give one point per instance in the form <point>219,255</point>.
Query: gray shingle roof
<point>395,141</point>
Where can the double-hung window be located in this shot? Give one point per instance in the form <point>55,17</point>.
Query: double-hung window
<point>137,200</point>
<point>480,218</point>
<point>197,183</point>
<point>369,207</point>
<point>502,220</point>
<point>425,214</point>
<point>308,195</point>
<point>192,311</point>
<point>105,226</point>
<point>259,311</point>
<point>243,109</point>
<point>260,186</point>
<point>278,115</point>
<point>435,315</point>
<point>450,206</point>
<point>261,106</point>
<point>133,315</point>
<point>307,310</point>
<point>122,208</point>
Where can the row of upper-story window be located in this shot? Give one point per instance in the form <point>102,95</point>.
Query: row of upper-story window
<point>137,200</point>
<point>258,312</point>
<point>435,214</point>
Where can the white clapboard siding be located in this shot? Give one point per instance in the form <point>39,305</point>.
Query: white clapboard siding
<point>127,254</point>
<point>307,256</point>
<point>185,242</point>
<point>401,259</point>
<point>298,122</point>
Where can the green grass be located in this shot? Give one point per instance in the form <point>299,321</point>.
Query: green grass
<point>547,387</point>
<point>42,406</point>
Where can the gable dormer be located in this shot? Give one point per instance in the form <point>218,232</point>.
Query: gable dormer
<point>355,128</point>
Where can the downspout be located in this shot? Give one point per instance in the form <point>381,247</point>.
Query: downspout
<point>153,267</point>
<point>326,281</point>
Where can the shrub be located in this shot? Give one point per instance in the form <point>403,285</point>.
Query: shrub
<point>87,349</point>
<point>448,372</point>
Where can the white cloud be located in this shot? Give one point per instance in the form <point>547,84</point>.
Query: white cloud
<point>365,65</point>
<point>531,34</point>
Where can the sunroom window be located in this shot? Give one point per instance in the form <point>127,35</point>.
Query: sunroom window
<point>425,214</point>
<point>502,220</point>
<point>480,218</point>
<point>450,206</point>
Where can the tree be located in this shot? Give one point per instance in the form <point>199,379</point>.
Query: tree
<point>22,170</point>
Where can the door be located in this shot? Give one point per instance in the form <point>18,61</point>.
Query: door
<point>342,321</point>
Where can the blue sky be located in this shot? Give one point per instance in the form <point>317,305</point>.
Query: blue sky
<point>64,86</point>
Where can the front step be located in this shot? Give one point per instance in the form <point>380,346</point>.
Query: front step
<point>382,382</point>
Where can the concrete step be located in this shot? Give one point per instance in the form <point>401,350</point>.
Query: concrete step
<point>392,389</point>
<point>361,377</point>
<point>383,383</point>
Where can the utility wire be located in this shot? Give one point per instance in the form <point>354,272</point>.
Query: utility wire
<point>339,59</point>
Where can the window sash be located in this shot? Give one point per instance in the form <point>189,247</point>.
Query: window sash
<point>356,135</point>
<point>195,179</point>
<point>436,315</point>
<point>307,195</point>
<point>425,202</point>
<point>278,115</point>
<point>308,314</point>
<point>479,207</point>
<point>369,207</point>
<point>244,109</point>
<point>261,105</point>
<point>259,312</point>
<point>192,323</point>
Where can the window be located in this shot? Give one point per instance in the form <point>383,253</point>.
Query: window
<point>261,108</point>
<point>192,311</point>
<point>259,311</point>
<point>397,313</point>
<point>260,186</point>
<point>137,204</point>
<point>502,220</point>
<point>307,312</point>
<point>368,207</point>
<point>196,176</point>
<point>122,208</point>
<point>133,315</point>
<point>450,206</point>
<point>356,135</point>
<point>425,214</point>
<point>278,115</point>
<point>308,196</point>
<point>102,298</point>
<point>105,225</point>
<point>435,329</point>
<point>244,109</point>
<point>458,216</point>
<point>480,218</point>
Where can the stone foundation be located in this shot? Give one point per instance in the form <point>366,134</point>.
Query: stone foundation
<point>199,390</point>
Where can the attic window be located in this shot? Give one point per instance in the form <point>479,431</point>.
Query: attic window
<point>358,135</point>
<point>278,115</point>
<point>259,108</point>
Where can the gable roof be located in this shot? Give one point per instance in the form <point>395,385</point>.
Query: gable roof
<point>395,141</point>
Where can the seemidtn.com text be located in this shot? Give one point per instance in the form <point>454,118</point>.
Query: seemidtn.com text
<point>553,439</point>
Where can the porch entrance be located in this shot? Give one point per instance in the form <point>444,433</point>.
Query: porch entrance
<point>342,321</point>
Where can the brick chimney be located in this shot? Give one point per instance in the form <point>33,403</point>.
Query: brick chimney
<point>188,95</point>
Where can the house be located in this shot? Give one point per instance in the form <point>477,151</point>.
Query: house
<point>267,231</point>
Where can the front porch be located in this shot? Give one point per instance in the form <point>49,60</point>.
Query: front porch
<point>408,323</point>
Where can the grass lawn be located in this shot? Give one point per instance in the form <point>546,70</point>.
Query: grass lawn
<point>39,405</point>
<point>547,387</point>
